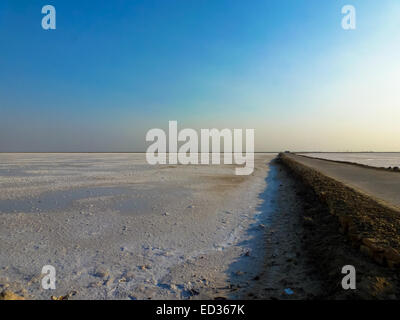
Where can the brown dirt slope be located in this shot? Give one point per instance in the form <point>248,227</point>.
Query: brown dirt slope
<point>368,239</point>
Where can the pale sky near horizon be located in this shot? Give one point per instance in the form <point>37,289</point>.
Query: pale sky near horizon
<point>115,69</point>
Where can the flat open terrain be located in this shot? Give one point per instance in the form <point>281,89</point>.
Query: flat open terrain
<point>115,227</point>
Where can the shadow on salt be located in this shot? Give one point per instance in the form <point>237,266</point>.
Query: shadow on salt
<point>243,270</point>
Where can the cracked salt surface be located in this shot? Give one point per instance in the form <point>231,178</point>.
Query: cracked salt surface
<point>101,223</point>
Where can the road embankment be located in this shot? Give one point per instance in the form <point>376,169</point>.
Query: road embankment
<point>364,201</point>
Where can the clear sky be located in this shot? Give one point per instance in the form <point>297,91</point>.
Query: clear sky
<point>112,70</point>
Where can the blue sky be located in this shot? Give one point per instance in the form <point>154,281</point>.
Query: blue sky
<point>112,70</point>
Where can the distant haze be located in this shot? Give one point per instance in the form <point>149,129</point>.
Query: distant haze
<point>112,70</point>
